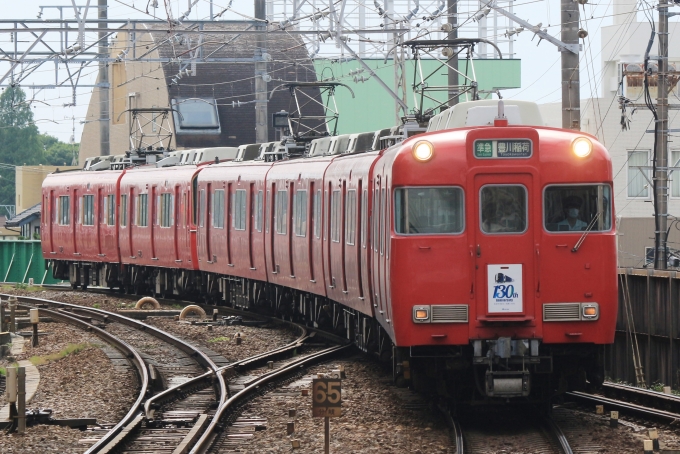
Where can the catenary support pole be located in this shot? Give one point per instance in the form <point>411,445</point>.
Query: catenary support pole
<point>104,87</point>
<point>661,177</point>
<point>571,92</point>
<point>261,120</point>
<point>453,34</point>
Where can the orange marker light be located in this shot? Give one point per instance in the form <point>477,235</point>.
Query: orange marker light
<point>421,314</point>
<point>590,311</point>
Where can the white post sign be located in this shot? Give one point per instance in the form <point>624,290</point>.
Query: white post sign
<point>504,288</point>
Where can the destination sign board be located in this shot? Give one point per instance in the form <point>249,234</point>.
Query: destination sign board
<point>503,148</point>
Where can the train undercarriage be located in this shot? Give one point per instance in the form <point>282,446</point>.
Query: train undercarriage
<point>485,371</point>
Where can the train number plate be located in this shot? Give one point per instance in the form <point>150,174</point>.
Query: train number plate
<point>326,397</point>
<point>503,148</point>
<point>505,288</point>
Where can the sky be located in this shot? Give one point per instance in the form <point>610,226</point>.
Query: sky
<point>540,64</point>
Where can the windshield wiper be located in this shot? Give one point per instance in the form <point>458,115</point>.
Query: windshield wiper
<point>585,234</point>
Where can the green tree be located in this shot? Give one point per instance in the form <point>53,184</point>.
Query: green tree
<point>56,152</point>
<point>19,139</point>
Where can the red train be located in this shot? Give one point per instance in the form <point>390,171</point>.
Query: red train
<point>479,258</point>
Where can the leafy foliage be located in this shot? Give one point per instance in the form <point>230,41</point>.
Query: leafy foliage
<point>22,144</point>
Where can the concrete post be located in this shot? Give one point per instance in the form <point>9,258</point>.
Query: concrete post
<point>453,34</point>
<point>12,314</point>
<point>661,177</point>
<point>2,316</point>
<point>104,127</point>
<point>35,318</point>
<point>571,89</point>
<point>261,120</point>
<point>21,400</point>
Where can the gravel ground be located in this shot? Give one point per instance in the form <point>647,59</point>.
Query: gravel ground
<point>374,417</point>
<point>105,302</point>
<point>221,338</point>
<point>72,388</point>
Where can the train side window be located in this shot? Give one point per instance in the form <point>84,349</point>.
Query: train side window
<point>142,213</point>
<point>576,208</point>
<point>281,211</point>
<point>257,210</point>
<point>166,208</point>
<point>317,214</point>
<point>336,212</point>
<point>503,209</point>
<point>201,208</point>
<point>300,213</point>
<point>383,227</point>
<point>110,209</point>
<point>375,218</point>
<point>364,220</point>
<point>123,210</point>
<point>240,209</point>
<point>88,210</point>
<point>429,211</point>
<point>194,201</point>
<point>64,210</point>
<point>217,209</point>
<point>351,216</point>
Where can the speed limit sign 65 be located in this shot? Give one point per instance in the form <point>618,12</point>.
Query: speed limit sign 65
<point>326,397</point>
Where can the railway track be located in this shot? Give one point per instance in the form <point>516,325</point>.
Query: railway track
<point>184,397</point>
<point>506,429</point>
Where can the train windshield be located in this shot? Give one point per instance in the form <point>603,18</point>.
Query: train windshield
<point>577,208</point>
<point>504,209</point>
<point>429,211</point>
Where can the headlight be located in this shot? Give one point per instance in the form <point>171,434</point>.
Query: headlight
<point>423,151</point>
<point>421,314</point>
<point>590,311</point>
<point>582,147</point>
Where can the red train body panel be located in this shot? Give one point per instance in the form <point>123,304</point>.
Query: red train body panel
<point>482,244</point>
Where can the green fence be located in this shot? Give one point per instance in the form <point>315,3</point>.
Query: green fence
<point>22,260</point>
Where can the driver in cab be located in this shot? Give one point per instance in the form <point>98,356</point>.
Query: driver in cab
<point>572,209</point>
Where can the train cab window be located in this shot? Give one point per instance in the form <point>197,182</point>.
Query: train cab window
<point>257,211</point>
<point>317,214</point>
<point>336,212</point>
<point>142,212</point>
<point>64,210</point>
<point>110,209</point>
<point>576,208</point>
<point>87,210</point>
<point>429,211</point>
<point>123,210</point>
<point>166,209</point>
<point>281,212</point>
<point>240,209</point>
<point>300,213</point>
<point>503,209</point>
<point>351,216</point>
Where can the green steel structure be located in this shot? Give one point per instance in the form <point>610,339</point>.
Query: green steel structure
<point>373,108</point>
<point>21,260</point>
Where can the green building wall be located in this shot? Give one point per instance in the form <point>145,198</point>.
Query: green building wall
<point>21,260</point>
<point>373,107</point>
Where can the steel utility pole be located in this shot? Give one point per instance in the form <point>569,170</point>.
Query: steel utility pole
<point>453,63</point>
<point>661,177</point>
<point>261,120</point>
<point>571,90</point>
<point>104,87</point>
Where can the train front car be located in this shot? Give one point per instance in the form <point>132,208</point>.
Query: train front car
<point>502,260</point>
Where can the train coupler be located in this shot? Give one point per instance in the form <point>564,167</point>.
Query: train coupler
<point>508,383</point>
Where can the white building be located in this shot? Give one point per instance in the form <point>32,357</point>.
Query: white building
<point>623,47</point>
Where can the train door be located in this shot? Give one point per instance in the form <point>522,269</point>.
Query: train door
<point>503,249</point>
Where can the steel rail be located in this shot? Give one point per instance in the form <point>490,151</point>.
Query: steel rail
<point>130,352</point>
<point>203,444</point>
<point>625,406</point>
<point>200,357</point>
<point>559,436</point>
<point>662,401</point>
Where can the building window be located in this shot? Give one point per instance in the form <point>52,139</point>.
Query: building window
<point>281,211</point>
<point>351,216</point>
<point>257,210</point>
<point>196,116</point>
<point>638,184</point>
<point>88,210</point>
<point>240,209</point>
<point>336,212</point>
<point>300,213</point>
<point>675,176</point>
<point>123,210</point>
<point>64,210</point>
<point>142,210</point>
<point>166,210</point>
